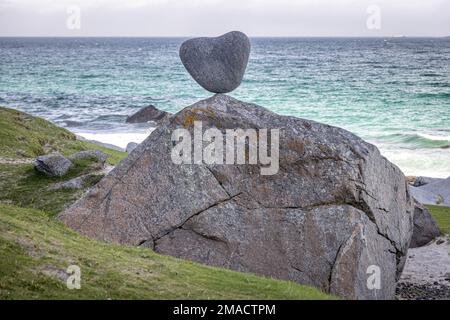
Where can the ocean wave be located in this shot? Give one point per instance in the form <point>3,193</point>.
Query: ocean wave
<point>425,162</point>
<point>90,76</point>
<point>419,140</point>
<point>440,84</point>
<point>430,74</point>
<point>110,118</point>
<point>437,95</point>
<point>71,123</point>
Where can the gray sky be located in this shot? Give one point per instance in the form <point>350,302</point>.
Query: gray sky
<point>214,17</point>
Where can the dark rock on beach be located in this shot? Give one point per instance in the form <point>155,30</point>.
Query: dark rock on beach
<point>441,189</point>
<point>425,227</point>
<point>54,165</point>
<point>217,64</point>
<point>423,196</point>
<point>436,191</point>
<point>421,181</point>
<point>131,146</point>
<point>335,208</point>
<point>150,113</point>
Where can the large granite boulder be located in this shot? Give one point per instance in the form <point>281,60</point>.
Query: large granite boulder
<point>334,212</point>
<point>217,64</point>
<point>425,227</point>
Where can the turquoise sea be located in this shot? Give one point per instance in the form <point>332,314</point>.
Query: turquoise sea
<point>393,92</point>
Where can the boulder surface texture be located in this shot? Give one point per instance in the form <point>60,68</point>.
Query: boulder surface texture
<point>335,213</point>
<point>54,165</point>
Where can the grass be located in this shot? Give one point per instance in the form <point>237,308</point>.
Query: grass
<point>23,136</point>
<point>36,250</point>
<point>22,186</point>
<point>26,136</point>
<point>442,217</point>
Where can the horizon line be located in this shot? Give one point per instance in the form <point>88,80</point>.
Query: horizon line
<point>190,36</point>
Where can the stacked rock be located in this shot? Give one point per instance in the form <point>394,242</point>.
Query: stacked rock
<point>217,64</point>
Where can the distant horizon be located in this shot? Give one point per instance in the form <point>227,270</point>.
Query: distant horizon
<point>250,36</point>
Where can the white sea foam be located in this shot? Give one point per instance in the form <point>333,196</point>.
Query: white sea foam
<point>120,139</point>
<point>420,162</point>
<point>434,137</point>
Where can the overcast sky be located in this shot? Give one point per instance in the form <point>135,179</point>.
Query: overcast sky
<point>214,17</point>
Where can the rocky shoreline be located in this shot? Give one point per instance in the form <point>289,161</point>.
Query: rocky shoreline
<point>409,291</point>
<point>426,275</point>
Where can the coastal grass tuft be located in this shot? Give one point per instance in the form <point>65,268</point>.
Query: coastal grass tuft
<point>25,136</point>
<point>442,216</point>
<point>36,251</point>
<point>22,186</point>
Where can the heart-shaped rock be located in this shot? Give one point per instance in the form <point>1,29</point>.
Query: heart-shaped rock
<point>217,64</point>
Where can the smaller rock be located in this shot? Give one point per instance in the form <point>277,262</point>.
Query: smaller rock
<point>54,165</point>
<point>424,196</point>
<point>146,114</point>
<point>425,228</point>
<point>441,189</point>
<point>421,181</point>
<point>131,146</point>
<point>96,155</point>
<point>75,183</point>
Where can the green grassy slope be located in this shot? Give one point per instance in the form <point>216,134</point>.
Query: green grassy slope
<point>25,136</point>
<point>442,217</point>
<point>35,249</point>
<point>22,186</point>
